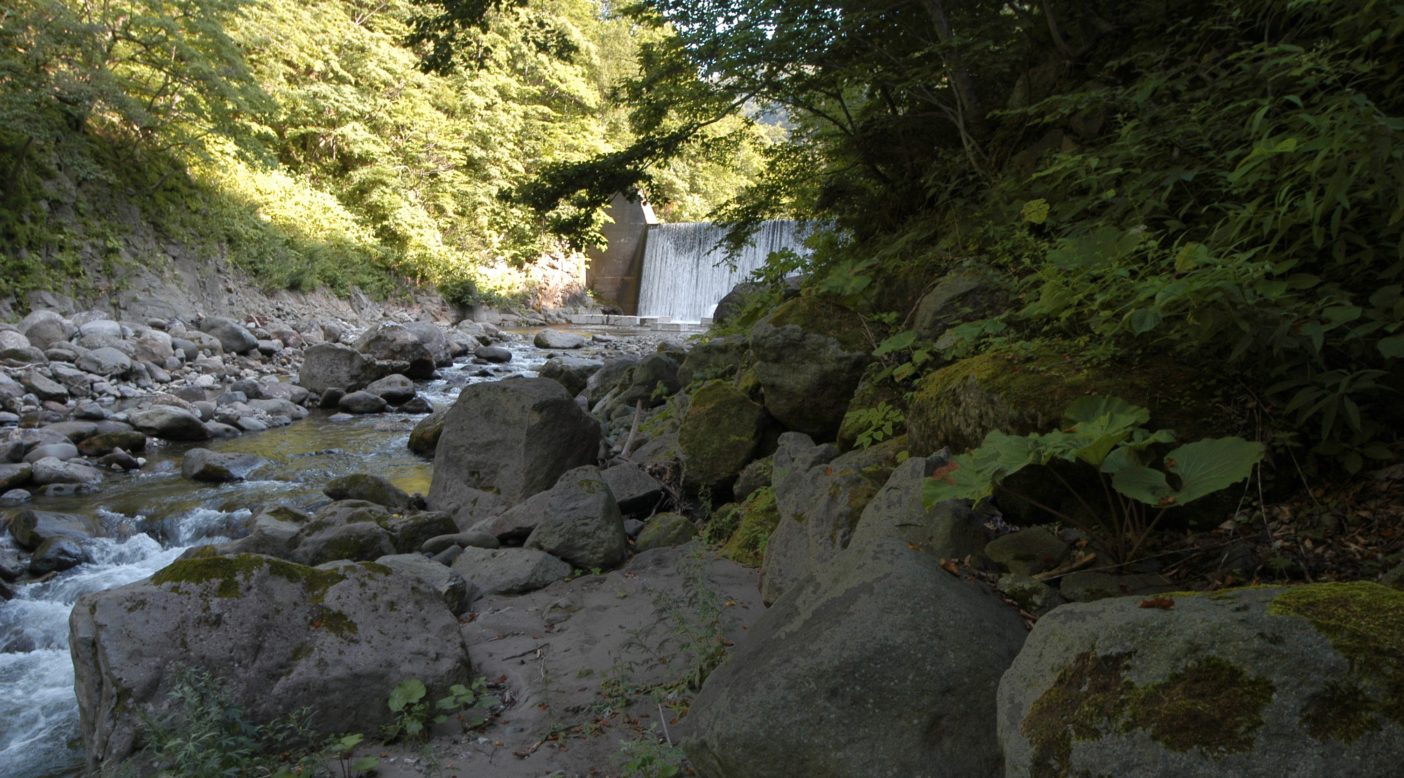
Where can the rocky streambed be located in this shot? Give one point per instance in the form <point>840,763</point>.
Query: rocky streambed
<point>645,557</point>
<point>125,445</point>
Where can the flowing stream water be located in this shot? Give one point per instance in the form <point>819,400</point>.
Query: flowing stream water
<point>149,518</point>
<point>685,274</point>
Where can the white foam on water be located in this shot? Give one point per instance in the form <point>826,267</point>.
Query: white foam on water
<point>37,707</point>
<point>685,273</point>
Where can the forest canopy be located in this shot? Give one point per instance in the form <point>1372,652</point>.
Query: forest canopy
<point>304,137</point>
<point>1213,181</point>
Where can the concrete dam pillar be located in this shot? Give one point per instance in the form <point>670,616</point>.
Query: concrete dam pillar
<point>615,273</point>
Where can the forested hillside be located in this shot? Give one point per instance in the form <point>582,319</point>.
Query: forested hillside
<point>303,139</point>
<point>1212,183</point>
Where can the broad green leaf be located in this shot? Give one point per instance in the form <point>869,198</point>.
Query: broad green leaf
<point>1099,424</point>
<point>1391,347</point>
<point>1206,466</point>
<point>364,764</point>
<point>1035,211</point>
<point>1142,484</point>
<point>898,342</point>
<point>1143,320</point>
<point>410,690</point>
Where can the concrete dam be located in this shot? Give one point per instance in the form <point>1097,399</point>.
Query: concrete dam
<point>677,272</point>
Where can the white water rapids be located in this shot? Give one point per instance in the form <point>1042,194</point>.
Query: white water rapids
<point>36,672</point>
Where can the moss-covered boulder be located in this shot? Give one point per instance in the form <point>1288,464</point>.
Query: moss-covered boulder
<point>424,438</point>
<point>664,530</point>
<point>961,296</point>
<point>1021,393</point>
<point>1264,682</point>
<point>714,359</point>
<point>809,355</point>
<point>719,435</point>
<point>283,635</point>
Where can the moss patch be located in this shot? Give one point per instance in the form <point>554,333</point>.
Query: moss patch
<point>335,622</point>
<point>1365,624</point>
<point>230,573</point>
<point>1023,393</point>
<point>758,518</point>
<point>719,435</point>
<point>1210,704</point>
<point>812,314</point>
<point>1087,695</point>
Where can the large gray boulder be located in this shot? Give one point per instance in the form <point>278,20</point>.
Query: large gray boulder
<point>456,593</point>
<point>434,339</point>
<point>169,422</point>
<point>1268,682</point>
<point>283,636</point>
<point>509,570</point>
<point>30,528</point>
<point>334,366</point>
<point>947,529</point>
<point>581,522</point>
<point>638,493</point>
<point>105,361</point>
<point>556,339</point>
<point>571,372</point>
<point>368,487</point>
<point>885,665</point>
<point>393,343</point>
<point>202,464</point>
<point>514,438</point>
<point>809,358</point>
<point>52,470</point>
<point>233,337</point>
<point>46,328</point>
<point>821,499</point>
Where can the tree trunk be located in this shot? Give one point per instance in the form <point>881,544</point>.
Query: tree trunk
<point>973,115</point>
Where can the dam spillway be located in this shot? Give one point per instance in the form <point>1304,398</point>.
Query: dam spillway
<point>686,272</point>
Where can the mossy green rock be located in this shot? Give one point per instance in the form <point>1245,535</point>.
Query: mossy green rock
<point>1304,680</point>
<point>663,530</point>
<point>758,517</point>
<point>719,435</point>
<point>959,404</point>
<point>282,635</point>
<point>809,356</point>
<point>424,438</point>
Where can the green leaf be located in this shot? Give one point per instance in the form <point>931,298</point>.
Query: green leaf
<point>1035,211</point>
<point>410,690</point>
<point>364,764</point>
<point>1391,347</point>
<point>898,342</point>
<point>1140,483</point>
<point>1143,320</point>
<point>1206,466</point>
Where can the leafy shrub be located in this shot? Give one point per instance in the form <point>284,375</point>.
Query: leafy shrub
<point>1105,434</point>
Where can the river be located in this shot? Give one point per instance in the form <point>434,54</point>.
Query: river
<point>150,517</point>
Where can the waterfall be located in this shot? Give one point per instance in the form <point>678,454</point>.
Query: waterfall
<point>685,273</point>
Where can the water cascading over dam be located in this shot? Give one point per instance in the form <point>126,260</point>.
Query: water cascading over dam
<point>686,273</point>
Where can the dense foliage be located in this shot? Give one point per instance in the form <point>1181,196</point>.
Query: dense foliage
<point>1214,180</point>
<point>304,139</point>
